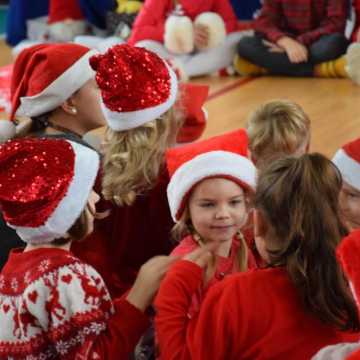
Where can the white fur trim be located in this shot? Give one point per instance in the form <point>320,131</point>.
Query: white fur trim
<point>349,168</point>
<point>70,207</point>
<point>353,62</point>
<point>179,35</point>
<point>217,31</point>
<point>7,130</point>
<point>206,165</point>
<point>59,90</point>
<point>67,30</point>
<point>120,121</point>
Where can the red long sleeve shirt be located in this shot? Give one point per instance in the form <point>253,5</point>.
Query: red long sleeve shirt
<point>257,315</point>
<point>304,20</point>
<point>150,23</point>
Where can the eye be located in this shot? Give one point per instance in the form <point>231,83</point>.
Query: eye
<point>206,204</point>
<point>236,202</point>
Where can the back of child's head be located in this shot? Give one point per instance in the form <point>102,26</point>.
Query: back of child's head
<point>45,185</point>
<point>138,91</point>
<point>298,198</point>
<point>277,128</point>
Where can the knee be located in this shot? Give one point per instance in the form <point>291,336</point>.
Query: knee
<point>329,47</point>
<point>247,46</point>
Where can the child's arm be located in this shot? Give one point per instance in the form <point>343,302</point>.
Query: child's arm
<point>179,336</point>
<point>150,23</point>
<point>333,22</point>
<point>269,20</point>
<point>225,10</point>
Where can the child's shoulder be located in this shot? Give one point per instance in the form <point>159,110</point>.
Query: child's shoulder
<point>37,266</point>
<point>186,246</point>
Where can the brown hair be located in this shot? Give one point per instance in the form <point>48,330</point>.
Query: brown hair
<point>277,127</point>
<point>298,198</point>
<point>134,158</point>
<point>78,231</point>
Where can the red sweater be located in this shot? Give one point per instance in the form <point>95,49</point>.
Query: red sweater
<point>55,306</point>
<point>225,266</point>
<point>255,315</point>
<point>129,237</point>
<point>150,23</point>
<point>304,20</point>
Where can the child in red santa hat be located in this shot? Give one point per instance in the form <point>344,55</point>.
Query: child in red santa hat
<point>210,192</point>
<point>201,36</point>
<point>52,304</point>
<point>290,309</point>
<point>347,159</point>
<point>54,85</point>
<point>139,91</point>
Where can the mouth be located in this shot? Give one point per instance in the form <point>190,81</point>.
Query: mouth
<point>221,227</point>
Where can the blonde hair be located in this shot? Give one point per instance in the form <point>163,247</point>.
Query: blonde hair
<point>134,158</point>
<point>184,227</point>
<point>277,127</point>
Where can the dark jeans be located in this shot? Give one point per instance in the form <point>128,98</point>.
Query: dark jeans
<point>328,47</point>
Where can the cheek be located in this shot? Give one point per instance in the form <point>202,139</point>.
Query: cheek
<point>200,218</point>
<point>241,215</point>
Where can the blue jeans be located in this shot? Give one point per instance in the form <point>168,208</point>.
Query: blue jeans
<point>328,47</point>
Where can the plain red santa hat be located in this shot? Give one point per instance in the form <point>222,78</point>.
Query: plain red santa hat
<point>221,156</point>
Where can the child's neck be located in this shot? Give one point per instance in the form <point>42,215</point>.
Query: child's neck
<point>30,247</point>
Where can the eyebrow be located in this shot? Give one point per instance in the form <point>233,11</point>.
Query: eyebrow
<point>232,198</point>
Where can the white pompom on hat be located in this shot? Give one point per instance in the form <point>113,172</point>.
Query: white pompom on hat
<point>216,26</point>
<point>347,159</point>
<point>223,156</point>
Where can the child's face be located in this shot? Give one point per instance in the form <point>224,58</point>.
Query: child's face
<point>350,205</point>
<point>217,209</point>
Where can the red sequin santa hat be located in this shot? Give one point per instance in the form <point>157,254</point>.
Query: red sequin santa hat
<point>221,156</point>
<point>347,159</point>
<point>45,75</point>
<point>137,86</point>
<point>44,186</point>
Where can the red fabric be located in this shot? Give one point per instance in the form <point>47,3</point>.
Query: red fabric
<point>193,97</point>
<point>100,330</point>
<point>150,23</point>
<point>356,6</point>
<point>233,141</point>
<point>348,253</point>
<point>5,84</point>
<point>303,20</point>
<point>60,10</point>
<point>129,237</point>
<point>352,149</point>
<point>354,356</point>
<point>39,66</point>
<point>225,267</point>
<point>253,315</point>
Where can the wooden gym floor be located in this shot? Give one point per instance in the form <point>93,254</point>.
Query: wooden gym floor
<point>333,105</point>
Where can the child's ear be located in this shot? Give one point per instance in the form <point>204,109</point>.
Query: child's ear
<point>260,225</point>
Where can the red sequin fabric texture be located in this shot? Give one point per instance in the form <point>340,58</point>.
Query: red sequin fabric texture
<point>34,177</point>
<point>131,78</point>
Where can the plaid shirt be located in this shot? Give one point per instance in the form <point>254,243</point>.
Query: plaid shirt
<point>304,20</point>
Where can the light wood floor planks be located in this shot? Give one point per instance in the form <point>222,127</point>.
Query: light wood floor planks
<point>332,104</point>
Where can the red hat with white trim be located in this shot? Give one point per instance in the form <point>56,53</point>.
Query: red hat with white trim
<point>223,156</point>
<point>347,159</point>
<point>137,86</point>
<point>44,186</point>
<point>60,10</point>
<point>45,75</point>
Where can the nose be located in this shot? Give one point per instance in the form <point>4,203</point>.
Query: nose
<point>222,212</point>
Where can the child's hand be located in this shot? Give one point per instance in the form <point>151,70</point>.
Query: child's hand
<point>296,51</point>
<point>273,47</point>
<point>201,36</point>
<point>148,281</point>
<point>201,256</point>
